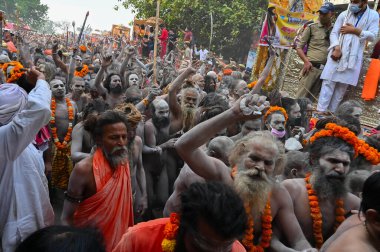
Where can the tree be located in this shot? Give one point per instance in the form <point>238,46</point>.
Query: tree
<point>233,21</point>
<point>30,12</point>
<point>48,27</point>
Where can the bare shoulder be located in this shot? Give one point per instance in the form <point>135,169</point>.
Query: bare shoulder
<point>352,240</point>
<point>149,125</point>
<point>83,168</point>
<point>138,141</point>
<point>294,186</point>
<point>352,202</point>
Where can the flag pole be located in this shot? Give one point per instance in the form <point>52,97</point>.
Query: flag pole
<point>155,44</point>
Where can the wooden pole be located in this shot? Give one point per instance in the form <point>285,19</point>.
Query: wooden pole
<point>155,44</point>
<point>376,4</point>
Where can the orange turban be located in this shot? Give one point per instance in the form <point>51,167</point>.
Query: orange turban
<point>227,72</point>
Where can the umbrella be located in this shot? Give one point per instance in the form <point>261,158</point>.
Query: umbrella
<point>152,21</point>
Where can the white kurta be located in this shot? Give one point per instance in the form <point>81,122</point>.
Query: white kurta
<point>24,195</point>
<point>369,33</point>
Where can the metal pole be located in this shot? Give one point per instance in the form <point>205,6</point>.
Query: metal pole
<point>155,44</point>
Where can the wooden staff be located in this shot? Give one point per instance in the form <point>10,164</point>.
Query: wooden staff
<point>155,44</point>
<point>82,29</point>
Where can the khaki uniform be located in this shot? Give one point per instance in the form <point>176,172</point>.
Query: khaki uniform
<point>317,37</point>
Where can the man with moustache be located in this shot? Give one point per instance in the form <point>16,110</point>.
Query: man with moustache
<point>99,192</point>
<point>255,160</point>
<point>77,95</point>
<point>157,142</point>
<point>183,114</point>
<point>330,158</point>
<point>274,120</point>
<point>113,86</point>
<point>293,111</point>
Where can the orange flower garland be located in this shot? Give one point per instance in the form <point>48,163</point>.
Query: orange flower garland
<point>67,138</point>
<point>82,72</point>
<point>83,48</point>
<point>266,230</point>
<point>334,130</point>
<point>370,153</point>
<point>170,233</point>
<point>266,225</point>
<point>316,215</point>
<point>276,108</point>
<point>15,73</point>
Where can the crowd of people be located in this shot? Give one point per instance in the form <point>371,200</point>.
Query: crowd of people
<point>101,152</point>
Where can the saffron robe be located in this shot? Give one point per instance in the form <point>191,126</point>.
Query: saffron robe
<point>110,209</point>
<point>148,236</point>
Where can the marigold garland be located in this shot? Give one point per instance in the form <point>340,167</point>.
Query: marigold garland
<point>67,138</point>
<point>369,153</point>
<point>276,108</point>
<point>316,215</point>
<point>170,233</point>
<point>15,73</point>
<point>266,229</point>
<point>266,225</point>
<point>83,48</point>
<point>83,72</point>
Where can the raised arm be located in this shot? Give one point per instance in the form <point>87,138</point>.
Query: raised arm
<point>188,145</point>
<point>58,62</point>
<point>263,76</point>
<point>124,65</point>
<point>20,132</point>
<point>106,62</point>
<point>175,108</point>
<point>71,68</point>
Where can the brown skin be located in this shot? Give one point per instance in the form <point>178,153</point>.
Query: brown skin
<point>307,66</point>
<point>82,182</point>
<point>174,105</point>
<point>362,235</point>
<point>299,195</point>
<point>213,169</point>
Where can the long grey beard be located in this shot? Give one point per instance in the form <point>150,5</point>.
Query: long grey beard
<point>253,191</point>
<point>188,118</point>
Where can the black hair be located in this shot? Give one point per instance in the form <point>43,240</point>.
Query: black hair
<point>213,104</point>
<point>216,204</point>
<point>287,103</point>
<point>349,122</point>
<point>371,192</point>
<point>325,145</point>
<point>107,118</point>
<point>63,239</point>
<point>107,81</point>
<point>208,81</point>
<point>347,107</point>
<point>97,105</point>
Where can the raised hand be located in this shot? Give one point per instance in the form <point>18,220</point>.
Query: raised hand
<point>107,61</point>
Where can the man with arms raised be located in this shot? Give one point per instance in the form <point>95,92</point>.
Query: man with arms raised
<point>24,199</point>
<point>323,197</point>
<point>255,160</point>
<point>99,192</point>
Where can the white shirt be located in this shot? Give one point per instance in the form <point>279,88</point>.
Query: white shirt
<point>369,32</point>
<point>24,195</point>
<point>202,54</point>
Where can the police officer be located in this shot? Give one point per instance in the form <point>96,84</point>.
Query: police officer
<point>312,49</point>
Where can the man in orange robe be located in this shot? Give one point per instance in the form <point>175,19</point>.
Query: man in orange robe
<point>99,193</point>
<point>212,219</point>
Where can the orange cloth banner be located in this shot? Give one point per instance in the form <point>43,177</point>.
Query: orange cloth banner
<point>371,80</point>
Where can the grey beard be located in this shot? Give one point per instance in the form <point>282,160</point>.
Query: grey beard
<point>253,191</point>
<point>115,160</point>
<point>327,187</point>
<point>188,118</point>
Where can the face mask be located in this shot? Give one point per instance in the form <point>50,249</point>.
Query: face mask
<point>278,134</point>
<point>354,8</point>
